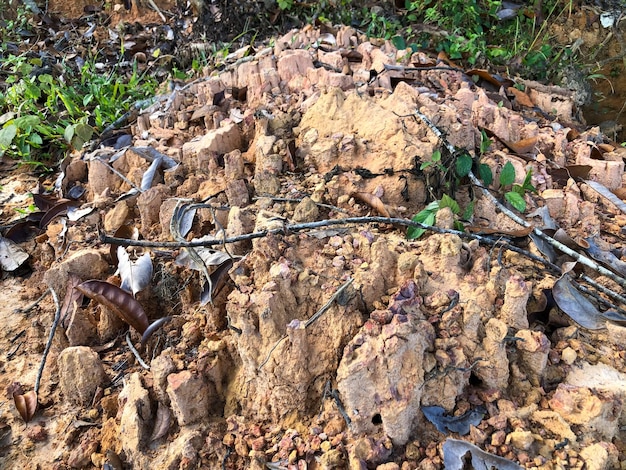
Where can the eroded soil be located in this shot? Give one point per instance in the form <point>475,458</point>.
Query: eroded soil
<point>264,376</point>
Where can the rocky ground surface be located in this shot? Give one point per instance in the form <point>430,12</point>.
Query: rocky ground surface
<point>315,345</point>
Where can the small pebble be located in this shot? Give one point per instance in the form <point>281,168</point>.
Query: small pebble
<point>568,356</point>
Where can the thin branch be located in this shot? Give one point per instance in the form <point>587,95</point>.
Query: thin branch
<point>34,304</point>
<point>135,352</point>
<point>313,318</point>
<point>328,304</point>
<point>53,328</point>
<point>596,285</point>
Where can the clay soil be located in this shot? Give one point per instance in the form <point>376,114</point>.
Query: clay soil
<point>320,344</point>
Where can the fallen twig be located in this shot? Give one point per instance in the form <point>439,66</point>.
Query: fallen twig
<point>135,352</point>
<point>53,328</point>
<point>34,304</point>
<point>310,321</point>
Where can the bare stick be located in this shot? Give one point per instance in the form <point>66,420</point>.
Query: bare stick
<point>315,316</point>
<point>327,305</point>
<point>269,354</point>
<point>135,352</point>
<point>122,177</point>
<point>53,328</point>
<point>33,305</point>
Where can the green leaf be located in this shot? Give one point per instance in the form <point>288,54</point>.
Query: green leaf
<point>398,42</point>
<point>463,165</point>
<point>485,142</point>
<point>469,211</point>
<point>526,185</point>
<point>484,171</point>
<point>6,137</point>
<point>518,189</point>
<point>424,217</point>
<point>425,165</point>
<point>516,200</point>
<point>84,131</point>
<point>447,201</point>
<point>35,140</point>
<point>436,156</point>
<point>26,123</point>
<point>458,225</point>
<point>69,133</point>
<point>507,176</point>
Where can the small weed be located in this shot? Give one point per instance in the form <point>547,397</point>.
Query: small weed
<point>49,110</point>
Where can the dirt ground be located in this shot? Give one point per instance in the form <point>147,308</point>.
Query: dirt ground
<point>313,344</point>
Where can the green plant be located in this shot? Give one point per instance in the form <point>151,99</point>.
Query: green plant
<point>515,196</point>
<point>285,4</point>
<point>45,114</point>
<point>427,216</point>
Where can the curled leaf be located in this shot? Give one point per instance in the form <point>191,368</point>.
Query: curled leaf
<point>576,305</point>
<point>11,255</point>
<point>454,452</point>
<point>374,201</point>
<point>162,422</point>
<point>118,301</point>
<point>60,208</point>
<point>26,404</point>
<point>154,326</point>
<point>136,275</point>
<point>460,424</point>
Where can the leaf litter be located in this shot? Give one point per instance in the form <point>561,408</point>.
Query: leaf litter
<point>273,281</point>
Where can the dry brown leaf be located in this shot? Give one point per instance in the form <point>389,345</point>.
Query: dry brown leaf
<point>521,146</point>
<point>162,422</point>
<point>373,201</point>
<point>489,77</point>
<point>26,404</point>
<point>118,301</point>
<point>521,97</point>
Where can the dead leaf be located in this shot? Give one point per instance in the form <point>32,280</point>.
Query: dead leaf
<point>72,299</point>
<point>521,97</point>
<point>218,277</point>
<point>523,146</point>
<point>136,275</point>
<point>604,191</point>
<point>605,257</point>
<point>11,255</point>
<point>60,208</point>
<point>561,175</point>
<point>118,301</point>
<point>162,422</point>
<point>44,202</point>
<point>454,457</point>
<point>26,404</point>
<point>459,424</point>
<point>492,78</point>
<point>375,202</point>
<point>148,176</point>
<point>576,305</point>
